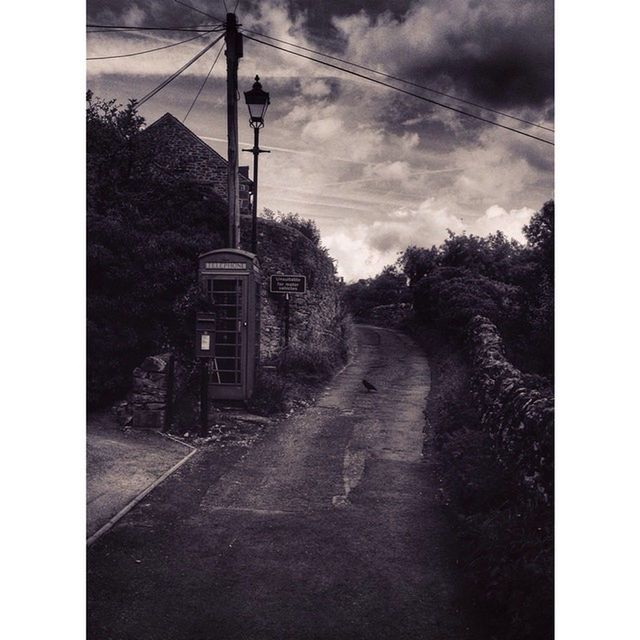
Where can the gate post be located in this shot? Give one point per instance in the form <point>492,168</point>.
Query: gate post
<point>168,407</point>
<point>204,396</point>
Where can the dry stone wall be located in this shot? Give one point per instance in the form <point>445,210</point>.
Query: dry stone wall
<point>389,315</point>
<point>153,388</point>
<point>516,409</point>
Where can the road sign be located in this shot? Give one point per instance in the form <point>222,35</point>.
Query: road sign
<point>288,284</point>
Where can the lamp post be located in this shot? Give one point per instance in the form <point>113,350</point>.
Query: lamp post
<point>258,101</point>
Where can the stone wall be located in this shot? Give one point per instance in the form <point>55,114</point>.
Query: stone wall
<point>517,409</point>
<point>389,315</point>
<point>153,386</point>
<point>315,319</point>
<point>314,316</point>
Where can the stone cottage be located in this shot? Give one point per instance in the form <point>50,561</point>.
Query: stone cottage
<point>180,153</point>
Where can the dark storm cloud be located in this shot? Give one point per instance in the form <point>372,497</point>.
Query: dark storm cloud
<point>497,52</point>
<point>497,64</point>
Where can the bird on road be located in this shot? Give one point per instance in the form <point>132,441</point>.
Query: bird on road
<point>368,386</point>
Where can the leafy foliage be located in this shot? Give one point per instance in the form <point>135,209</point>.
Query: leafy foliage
<point>484,453</point>
<point>505,534</point>
<point>508,282</point>
<point>305,226</point>
<point>144,234</point>
<point>389,287</point>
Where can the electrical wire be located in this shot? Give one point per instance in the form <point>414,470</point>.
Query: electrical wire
<point>174,75</point>
<point>211,30</point>
<point>184,4</point>
<point>391,77</point>
<point>202,85</point>
<point>139,53</point>
<point>409,93</point>
<point>112,27</point>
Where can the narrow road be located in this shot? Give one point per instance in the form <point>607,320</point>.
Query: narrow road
<point>328,528</point>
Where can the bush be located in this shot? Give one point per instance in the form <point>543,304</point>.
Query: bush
<point>307,362</point>
<point>270,393</point>
<point>143,239</point>
<point>505,532</point>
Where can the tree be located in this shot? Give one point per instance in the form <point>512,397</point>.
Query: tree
<point>305,226</point>
<point>540,236</point>
<point>143,237</point>
<point>493,276</point>
<point>416,262</point>
<point>388,287</point>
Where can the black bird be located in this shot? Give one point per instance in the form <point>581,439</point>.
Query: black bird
<point>368,386</point>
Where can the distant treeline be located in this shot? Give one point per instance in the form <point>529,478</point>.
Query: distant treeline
<point>501,279</point>
<point>488,443</point>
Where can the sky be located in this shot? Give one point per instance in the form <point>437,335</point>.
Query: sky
<point>375,169</point>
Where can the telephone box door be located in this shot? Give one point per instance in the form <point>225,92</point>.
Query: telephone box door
<point>227,365</point>
<point>227,329</point>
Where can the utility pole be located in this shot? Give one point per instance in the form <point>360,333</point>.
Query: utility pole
<point>233,40</point>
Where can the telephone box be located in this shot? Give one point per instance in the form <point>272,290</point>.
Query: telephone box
<point>227,331</point>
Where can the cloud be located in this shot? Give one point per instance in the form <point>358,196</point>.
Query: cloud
<point>381,242</point>
<point>396,171</point>
<point>316,89</point>
<point>495,218</point>
<point>322,130</point>
<point>498,51</point>
<point>376,169</point>
<point>353,255</point>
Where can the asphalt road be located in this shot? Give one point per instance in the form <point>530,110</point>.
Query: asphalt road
<point>328,528</point>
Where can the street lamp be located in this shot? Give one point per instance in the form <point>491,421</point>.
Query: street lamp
<point>258,101</point>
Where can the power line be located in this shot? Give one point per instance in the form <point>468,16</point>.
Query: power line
<point>391,77</point>
<point>139,53</point>
<point>202,85</point>
<point>409,93</point>
<point>184,4</point>
<point>173,76</point>
<point>113,27</point>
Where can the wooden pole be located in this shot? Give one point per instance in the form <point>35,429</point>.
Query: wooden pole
<point>286,319</point>
<point>204,397</point>
<point>168,407</point>
<point>233,41</point>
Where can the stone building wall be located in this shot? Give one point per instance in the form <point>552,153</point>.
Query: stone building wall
<point>176,151</point>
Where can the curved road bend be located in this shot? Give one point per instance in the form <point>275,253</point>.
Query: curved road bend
<point>327,529</point>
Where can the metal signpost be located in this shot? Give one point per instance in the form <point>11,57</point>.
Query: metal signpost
<point>287,284</point>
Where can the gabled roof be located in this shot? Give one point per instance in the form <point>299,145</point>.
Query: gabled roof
<point>170,119</point>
